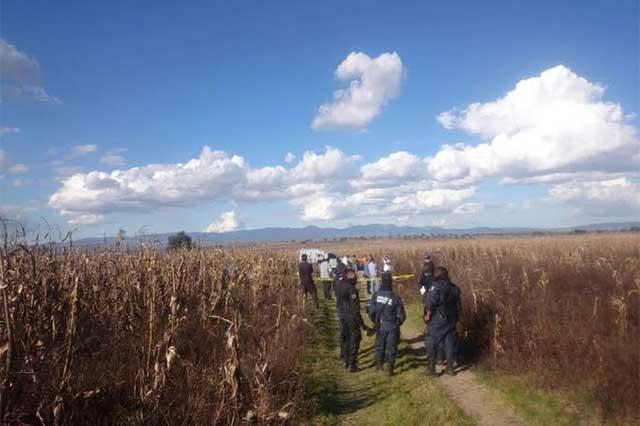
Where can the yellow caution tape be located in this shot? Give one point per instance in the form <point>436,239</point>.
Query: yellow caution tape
<point>365,279</point>
<point>403,277</point>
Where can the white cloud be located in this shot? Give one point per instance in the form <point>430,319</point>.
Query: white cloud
<point>18,168</point>
<point>609,198</point>
<point>86,219</point>
<point>551,129</point>
<point>372,82</point>
<point>289,158</point>
<point>396,168</point>
<point>21,74</point>
<point>469,208</point>
<point>212,175</point>
<point>113,160</point>
<point>81,150</point>
<point>565,177</point>
<point>227,222</point>
<point>553,123</point>
<point>382,202</point>
<point>430,201</point>
<point>8,130</point>
<point>314,167</point>
<point>323,186</point>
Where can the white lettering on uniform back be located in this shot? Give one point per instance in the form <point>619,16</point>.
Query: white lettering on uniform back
<point>384,300</point>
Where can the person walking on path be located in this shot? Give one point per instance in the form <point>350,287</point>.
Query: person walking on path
<point>442,309</point>
<point>386,311</point>
<point>305,273</point>
<point>348,302</point>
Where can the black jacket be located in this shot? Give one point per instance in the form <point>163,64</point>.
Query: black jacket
<point>386,308</point>
<point>348,302</point>
<point>426,278</point>
<point>305,272</point>
<point>443,299</point>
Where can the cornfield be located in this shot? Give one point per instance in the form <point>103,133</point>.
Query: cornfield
<point>563,309</point>
<point>220,336</point>
<point>151,337</point>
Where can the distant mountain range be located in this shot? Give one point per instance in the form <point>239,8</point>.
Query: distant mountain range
<point>315,233</point>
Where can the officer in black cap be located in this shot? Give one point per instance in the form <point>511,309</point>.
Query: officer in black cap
<point>348,303</point>
<point>387,313</point>
<point>427,274</point>
<point>338,278</point>
<point>442,308</point>
<point>305,273</point>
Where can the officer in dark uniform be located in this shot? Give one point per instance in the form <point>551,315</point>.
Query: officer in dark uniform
<point>348,302</point>
<point>305,272</point>
<point>338,277</point>
<point>427,274</point>
<point>387,313</point>
<point>442,308</point>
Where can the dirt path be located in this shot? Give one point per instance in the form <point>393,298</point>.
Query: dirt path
<point>370,398</point>
<point>475,399</point>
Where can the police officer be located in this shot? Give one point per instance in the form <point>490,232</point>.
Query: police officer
<point>427,274</point>
<point>348,303</point>
<point>442,308</point>
<point>305,273</point>
<point>338,278</point>
<point>387,313</point>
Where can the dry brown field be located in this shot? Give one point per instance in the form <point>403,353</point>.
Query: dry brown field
<point>214,336</point>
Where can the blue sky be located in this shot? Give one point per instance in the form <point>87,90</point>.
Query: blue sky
<point>153,83</point>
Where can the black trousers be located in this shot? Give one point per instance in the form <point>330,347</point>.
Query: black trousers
<point>310,289</point>
<point>442,332</point>
<point>387,344</point>
<point>326,286</point>
<point>350,338</point>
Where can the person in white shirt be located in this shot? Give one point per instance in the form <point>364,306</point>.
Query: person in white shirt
<point>387,265</point>
<point>325,277</point>
<point>372,271</point>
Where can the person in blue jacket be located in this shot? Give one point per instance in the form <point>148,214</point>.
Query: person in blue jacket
<point>386,311</point>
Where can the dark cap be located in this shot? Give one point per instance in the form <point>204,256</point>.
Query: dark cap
<point>441,272</point>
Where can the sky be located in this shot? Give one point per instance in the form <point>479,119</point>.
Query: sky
<point>217,116</point>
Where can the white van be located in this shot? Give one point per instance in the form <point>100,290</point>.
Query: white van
<point>315,255</point>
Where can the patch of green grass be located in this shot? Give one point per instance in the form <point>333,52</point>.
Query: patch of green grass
<point>535,406</point>
<point>540,407</point>
<point>369,397</point>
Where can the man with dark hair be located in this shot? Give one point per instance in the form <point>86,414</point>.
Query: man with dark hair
<point>348,303</point>
<point>305,272</point>
<point>387,313</point>
<point>441,310</point>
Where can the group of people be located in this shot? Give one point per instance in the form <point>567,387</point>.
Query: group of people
<point>386,310</point>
